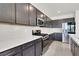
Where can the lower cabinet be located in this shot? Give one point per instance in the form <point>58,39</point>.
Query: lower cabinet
<point>74,48</point>
<point>58,36</point>
<point>38,47</point>
<point>28,49</point>
<point>18,54</point>
<point>52,36</point>
<point>11,52</point>
<point>33,48</point>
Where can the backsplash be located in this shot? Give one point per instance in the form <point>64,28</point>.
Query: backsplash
<point>28,29</point>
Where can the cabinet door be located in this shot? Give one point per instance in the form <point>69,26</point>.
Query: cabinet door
<point>29,51</point>
<point>22,13</point>
<point>45,17</point>
<point>38,49</point>
<point>72,47</point>
<point>48,19</point>
<point>58,36</point>
<point>7,12</point>
<point>45,20</point>
<point>38,46</point>
<point>32,15</point>
<point>40,14</point>
<point>76,50</point>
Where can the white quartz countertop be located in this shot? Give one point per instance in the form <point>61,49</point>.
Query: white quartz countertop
<point>15,40</point>
<point>15,35</point>
<point>75,38</point>
<point>12,36</point>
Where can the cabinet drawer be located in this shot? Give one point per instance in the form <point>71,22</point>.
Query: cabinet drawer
<point>11,52</point>
<point>18,54</point>
<point>7,52</point>
<point>28,45</point>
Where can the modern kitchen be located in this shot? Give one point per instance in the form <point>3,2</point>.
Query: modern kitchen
<point>39,29</point>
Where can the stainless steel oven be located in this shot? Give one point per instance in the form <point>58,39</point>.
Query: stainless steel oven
<point>45,40</point>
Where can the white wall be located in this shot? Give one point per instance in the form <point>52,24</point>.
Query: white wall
<point>51,10</point>
<point>63,16</point>
<point>48,30</point>
<point>28,29</point>
<point>77,22</point>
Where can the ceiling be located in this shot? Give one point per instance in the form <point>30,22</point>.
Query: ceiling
<point>56,10</point>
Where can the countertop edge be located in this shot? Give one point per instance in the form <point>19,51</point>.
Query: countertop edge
<point>74,37</point>
<point>19,44</point>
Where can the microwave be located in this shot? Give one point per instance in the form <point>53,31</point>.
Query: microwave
<point>40,22</point>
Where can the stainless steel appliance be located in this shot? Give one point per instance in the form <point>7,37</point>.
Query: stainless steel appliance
<point>40,22</point>
<point>45,40</point>
<point>36,32</point>
<point>45,37</point>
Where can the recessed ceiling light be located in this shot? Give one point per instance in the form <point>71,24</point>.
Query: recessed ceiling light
<point>41,15</point>
<point>58,11</point>
<point>31,8</point>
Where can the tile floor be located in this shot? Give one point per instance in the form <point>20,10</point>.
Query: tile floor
<point>57,48</point>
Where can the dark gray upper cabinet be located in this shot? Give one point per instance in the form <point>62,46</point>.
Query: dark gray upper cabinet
<point>45,20</point>
<point>40,14</point>
<point>45,17</point>
<point>48,22</point>
<point>32,15</point>
<point>22,13</point>
<point>7,12</point>
<point>48,19</point>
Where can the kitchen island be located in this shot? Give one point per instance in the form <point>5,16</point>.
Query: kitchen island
<point>74,44</point>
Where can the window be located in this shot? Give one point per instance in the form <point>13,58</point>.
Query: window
<point>71,27</point>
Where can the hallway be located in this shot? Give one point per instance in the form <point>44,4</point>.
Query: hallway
<point>57,48</point>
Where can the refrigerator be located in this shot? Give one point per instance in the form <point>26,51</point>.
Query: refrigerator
<point>65,33</point>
